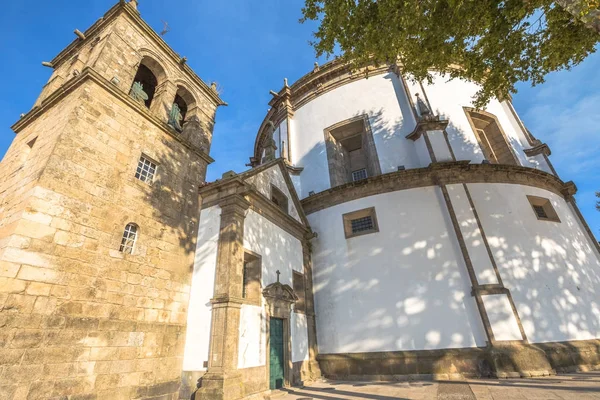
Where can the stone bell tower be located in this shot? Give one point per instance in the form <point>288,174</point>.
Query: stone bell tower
<point>98,218</point>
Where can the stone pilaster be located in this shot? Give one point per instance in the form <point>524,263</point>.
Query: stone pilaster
<point>222,379</point>
<point>314,369</point>
<point>164,96</point>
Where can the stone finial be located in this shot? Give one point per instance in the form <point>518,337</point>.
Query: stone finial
<point>79,34</point>
<point>134,3</point>
<point>316,67</point>
<point>285,82</point>
<point>183,60</point>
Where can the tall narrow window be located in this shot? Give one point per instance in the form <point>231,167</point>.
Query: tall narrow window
<point>299,289</point>
<point>251,275</point>
<point>491,138</point>
<point>280,199</point>
<point>351,152</point>
<point>129,239</point>
<point>146,170</point>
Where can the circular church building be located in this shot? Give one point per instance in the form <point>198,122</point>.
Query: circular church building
<point>444,241</point>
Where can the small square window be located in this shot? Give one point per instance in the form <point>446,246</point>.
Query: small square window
<point>543,209</point>
<point>360,174</point>
<point>360,222</point>
<point>146,170</point>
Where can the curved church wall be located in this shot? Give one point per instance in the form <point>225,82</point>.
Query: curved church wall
<point>406,287</point>
<point>385,100</point>
<point>551,268</point>
<point>382,98</point>
<point>402,288</point>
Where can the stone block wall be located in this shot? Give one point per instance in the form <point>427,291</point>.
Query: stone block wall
<point>79,318</point>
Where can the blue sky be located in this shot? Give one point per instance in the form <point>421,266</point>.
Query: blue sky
<point>248,47</point>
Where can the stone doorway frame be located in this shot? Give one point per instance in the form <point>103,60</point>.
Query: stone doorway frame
<point>279,299</point>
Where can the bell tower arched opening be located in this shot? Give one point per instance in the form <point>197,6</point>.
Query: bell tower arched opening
<point>148,77</point>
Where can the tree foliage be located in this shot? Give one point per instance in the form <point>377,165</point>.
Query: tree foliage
<point>495,43</point>
<point>598,202</point>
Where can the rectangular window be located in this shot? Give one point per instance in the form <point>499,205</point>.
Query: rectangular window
<point>280,199</point>
<point>360,174</point>
<point>146,170</point>
<point>351,152</point>
<point>360,222</point>
<point>298,283</point>
<point>251,275</point>
<point>543,209</point>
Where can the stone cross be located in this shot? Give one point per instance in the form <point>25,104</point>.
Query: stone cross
<point>278,273</point>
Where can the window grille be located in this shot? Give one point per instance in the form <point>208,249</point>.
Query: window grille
<point>541,213</point>
<point>129,239</point>
<point>543,209</point>
<point>146,170</point>
<point>360,174</point>
<point>362,224</point>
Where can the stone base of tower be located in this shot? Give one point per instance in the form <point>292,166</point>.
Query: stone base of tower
<point>227,386</point>
<point>501,361</point>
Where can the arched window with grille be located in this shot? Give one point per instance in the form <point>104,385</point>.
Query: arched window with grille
<point>130,235</point>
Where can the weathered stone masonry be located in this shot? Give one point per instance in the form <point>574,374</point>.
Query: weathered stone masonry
<point>79,318</point>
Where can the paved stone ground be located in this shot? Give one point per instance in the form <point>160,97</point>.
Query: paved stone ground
<point>580,386</point>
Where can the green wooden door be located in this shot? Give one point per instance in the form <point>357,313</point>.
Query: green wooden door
<point>276,354</point>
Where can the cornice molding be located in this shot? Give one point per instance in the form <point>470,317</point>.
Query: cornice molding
<point>319,81</point>
<point>442,173</point>
<point>541,148</point>
<point>89,74</point>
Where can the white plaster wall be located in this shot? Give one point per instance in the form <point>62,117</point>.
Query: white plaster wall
<point>283,139</point>
<point>199,311</point>
<point>273,175</point>
<point>403,288</point>
<point>551,269</point>
<point>382,98</point>
<point>422,152</point>
<point>279,250</point>
<point>299,330</point>
<point>480,258</point>
<point>448,97</point>
<point>502,318</point>
<point>252,343</point>
<point>439,146</point>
